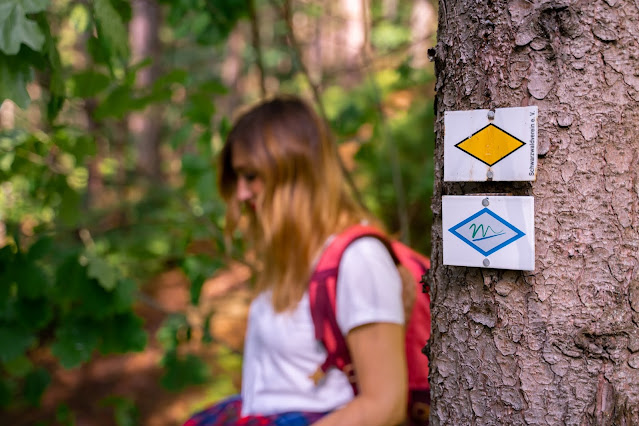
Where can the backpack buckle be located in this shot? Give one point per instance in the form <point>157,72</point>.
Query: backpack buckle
<point>317,376</point>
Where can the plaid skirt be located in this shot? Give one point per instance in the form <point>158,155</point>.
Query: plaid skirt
<point>228,413</point>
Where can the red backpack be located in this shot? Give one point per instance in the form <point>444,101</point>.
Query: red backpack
<point>322,292</point>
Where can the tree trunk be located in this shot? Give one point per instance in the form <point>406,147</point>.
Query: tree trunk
<point>146,125</point>
<point>7,115</point>
<point>559,345</point>
<point>422,27</point>
<point>352,39</point>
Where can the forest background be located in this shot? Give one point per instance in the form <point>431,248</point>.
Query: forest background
<point>119,301</point>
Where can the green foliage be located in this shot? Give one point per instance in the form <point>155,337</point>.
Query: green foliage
<point>77,260</point>
<point>125,413</point>
<point>180,370</point>
<point>26,42</point>
<point>198,268</point>
<point>14,77</point>
<point>208,22</point>
<point>88,83</point>
<point>111,30</point>
<point>64,415</point>
<point>174,330</point>
<point>15,342</point>
<point>409,133</point>
<point>183,370</point>
<point>35,384</point>
<point>387,36</point>
<point>16,28</point>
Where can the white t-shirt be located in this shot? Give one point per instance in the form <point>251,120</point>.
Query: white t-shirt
<point>280,350</point>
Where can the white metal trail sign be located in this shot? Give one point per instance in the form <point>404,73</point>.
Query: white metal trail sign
<point>489,231</point>
<point>499,145</point>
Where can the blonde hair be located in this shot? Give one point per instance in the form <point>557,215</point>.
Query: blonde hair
<point>304,199</point>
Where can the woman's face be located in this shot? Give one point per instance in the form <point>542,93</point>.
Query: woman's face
<point>249,183</point>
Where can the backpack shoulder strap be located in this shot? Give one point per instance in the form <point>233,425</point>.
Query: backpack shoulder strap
<point>322,298</point>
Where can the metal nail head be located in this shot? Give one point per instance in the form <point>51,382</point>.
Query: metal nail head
<point>491,115</point>
<point>486,262</point>
<point>485,202</point>
<point>489,174</point>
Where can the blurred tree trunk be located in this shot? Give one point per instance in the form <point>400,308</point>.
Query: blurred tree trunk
<point>7,115</point>
<point>559,345</point>
<point>352,38</point>
<point>146,126</point>
<point>423,24</point>
<point>389,8</point>
<point>316,49</point>
<point>95,184</point>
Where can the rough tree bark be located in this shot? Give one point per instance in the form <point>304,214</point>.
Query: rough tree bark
<point>559,345</point>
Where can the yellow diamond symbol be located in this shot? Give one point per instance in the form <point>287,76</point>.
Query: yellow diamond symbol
<point>490,144</point>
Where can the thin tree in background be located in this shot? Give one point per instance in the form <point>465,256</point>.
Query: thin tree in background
<point>146,125</point>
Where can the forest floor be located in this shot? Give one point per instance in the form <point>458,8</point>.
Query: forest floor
<point>94,392</point>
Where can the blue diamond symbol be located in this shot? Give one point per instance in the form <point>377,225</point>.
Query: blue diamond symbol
<point>486,232</point>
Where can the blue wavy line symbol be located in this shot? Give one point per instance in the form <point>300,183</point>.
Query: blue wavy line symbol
<point>486,225</point>
<point>480,228</point>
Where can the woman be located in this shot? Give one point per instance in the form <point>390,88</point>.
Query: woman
<point>280,168</point>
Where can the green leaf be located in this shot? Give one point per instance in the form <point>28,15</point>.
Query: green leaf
<point>89,83</point>
<point>35,384</point>
<point>117,103</point>
<point>14,341</point>
<point>71,280</point>
<point>102,271</point>
<point>180,372</point>
<point>56,87</point>
<point>31,279</point>
<point>6,160</point>
<point>197,269</point>
<point>196,289</point>
<point>5,393</point>
<point>387,36</point>
<point>96,302</point>
<point>207,336</point>
<point>34,314</point>
<point>98,51</point>
<point>123,296</point>
<point>16,28</point>
<point>18,367</point>
<point>79,18</point>
<point>205,185</point>
<point>124,410</point>
<point>40,248</point>
<point>78,145</point>
<point>173,330</point>
<point>200,108</point>
<point>33,6</point>
<point>194,164</point>
<point>6,261</point>
<point>69,209</point>
<point>213,87</point>
<point>181,136</point>
<point>14,77</point>
<point>111,29</point>
<point>75,341</point>
<point>123,333</point>
<point>176,76</point>
<point>64,415</point>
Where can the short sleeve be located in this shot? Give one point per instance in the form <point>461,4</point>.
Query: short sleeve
<point>369,287</point>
